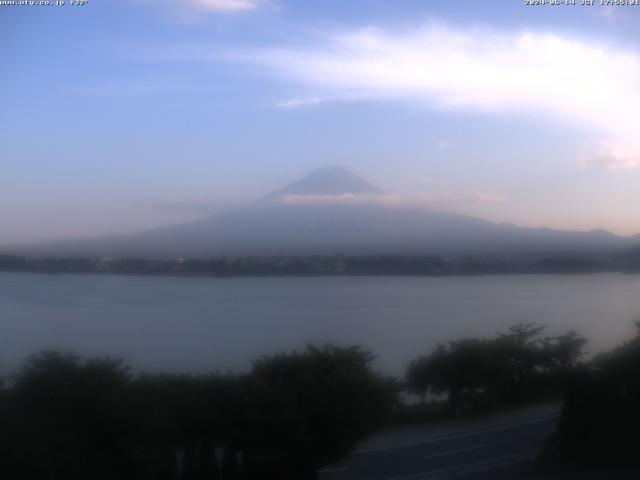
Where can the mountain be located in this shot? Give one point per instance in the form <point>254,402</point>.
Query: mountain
<point>326,181</point>
<point>310,216</point>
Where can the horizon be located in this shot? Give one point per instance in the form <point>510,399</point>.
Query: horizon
<point>146,113</point>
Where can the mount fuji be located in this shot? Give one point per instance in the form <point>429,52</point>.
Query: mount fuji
<point>334,211</point>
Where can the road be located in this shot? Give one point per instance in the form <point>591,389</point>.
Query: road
<point>501,446</point>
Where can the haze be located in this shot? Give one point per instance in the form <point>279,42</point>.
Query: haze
<point>127,115</point>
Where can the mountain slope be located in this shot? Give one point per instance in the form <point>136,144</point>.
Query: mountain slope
<point>326,181</point>
<point>275,226</point>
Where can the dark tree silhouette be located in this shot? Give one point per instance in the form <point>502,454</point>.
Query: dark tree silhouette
<point>65,416</point>
<point>311,407</point>
<point>71,418</point>
<point>600,420</point>
<point>510,367</point>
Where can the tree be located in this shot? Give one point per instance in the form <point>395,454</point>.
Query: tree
<point>311,407</point>
<point>71,418</point>
<point>508,368</point>
<point>564,351</point>
<point>67,417</point>
<point>464,370</point>
<point>600,418</point>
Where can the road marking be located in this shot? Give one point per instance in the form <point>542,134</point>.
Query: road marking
<point>456,436</point>
<point>336,469</point>
<point>471,467</point>
<point>451,452</point>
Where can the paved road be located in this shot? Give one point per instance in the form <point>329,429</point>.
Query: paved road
<point>486,451</point>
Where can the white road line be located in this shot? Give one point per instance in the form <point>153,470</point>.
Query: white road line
<point>471,467</point>
<point>456,436</point>
<point>451,452</point>
<point>500,462</point>
<point>336,469</point>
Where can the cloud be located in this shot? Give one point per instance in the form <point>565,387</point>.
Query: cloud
<point>186,10</point>
<point>226,5</point>
<point>301,102</point>
<point>584,82</point>
<point>616,156</point>
<point>392,200</point>
<point>488,198</point>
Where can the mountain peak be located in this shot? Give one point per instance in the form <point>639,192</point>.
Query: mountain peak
<point>332,180</point>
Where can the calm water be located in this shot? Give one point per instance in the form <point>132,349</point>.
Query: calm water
<point>201,324</point>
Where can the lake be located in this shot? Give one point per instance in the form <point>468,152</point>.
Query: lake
<point>207,324</point>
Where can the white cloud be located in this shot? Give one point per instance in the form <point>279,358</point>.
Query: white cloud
<point>392,200</point>
<point>581,81</point>
<point>186,10</point>
<point>488,198</point>
<point>616,156</point>
<point>300,102</point>
<point>226,5</point>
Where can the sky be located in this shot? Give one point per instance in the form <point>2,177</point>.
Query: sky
<point>120,115</point>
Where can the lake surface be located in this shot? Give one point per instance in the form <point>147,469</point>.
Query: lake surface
<point>206,324</point>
